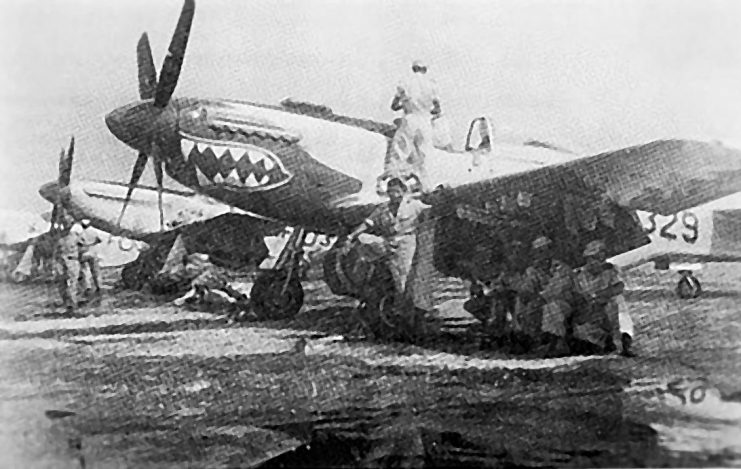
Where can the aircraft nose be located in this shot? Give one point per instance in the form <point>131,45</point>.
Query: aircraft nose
<point>131,124</point>
<point>114,122</point>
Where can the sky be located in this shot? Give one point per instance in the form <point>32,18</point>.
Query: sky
<point>590,75</point>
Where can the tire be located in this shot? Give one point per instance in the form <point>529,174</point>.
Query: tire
<point>269,303</point>
<point>689,287</point>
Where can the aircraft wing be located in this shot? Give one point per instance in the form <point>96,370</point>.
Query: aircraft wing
<point>576,201</point>
<point>664,177</point>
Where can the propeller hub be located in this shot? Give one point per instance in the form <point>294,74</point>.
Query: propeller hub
<point>53,192</point>
<point>132,124</point>
<point>140,124</point>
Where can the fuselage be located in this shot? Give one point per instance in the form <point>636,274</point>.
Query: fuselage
<point>101,203</point>
<point>707,233</point>
<point>296,167</point>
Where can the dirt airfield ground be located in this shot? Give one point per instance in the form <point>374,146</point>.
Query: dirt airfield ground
<point>152,385</point>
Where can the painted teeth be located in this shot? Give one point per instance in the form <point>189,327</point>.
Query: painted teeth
<point>237,153</point>
<point>254,156</point>
<point>251,181</point>
<point>202,179</point>
<point>219,151</point>
<point>186,146</point>
<point>233,178</point>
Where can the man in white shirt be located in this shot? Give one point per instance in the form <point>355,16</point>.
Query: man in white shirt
<point>417,97</point>
<point>88,258</point>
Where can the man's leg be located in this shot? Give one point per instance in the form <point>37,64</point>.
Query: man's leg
<point>92,263</point>
<point>60,278</point>
<point>554,327</point>
<point>625,327</point>
<point>72,274</point>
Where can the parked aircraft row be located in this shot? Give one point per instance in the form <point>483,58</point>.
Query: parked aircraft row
<point>307,167</point>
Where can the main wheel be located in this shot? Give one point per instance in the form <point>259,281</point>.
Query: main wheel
<point>270,302</point>
<point>689,287</point>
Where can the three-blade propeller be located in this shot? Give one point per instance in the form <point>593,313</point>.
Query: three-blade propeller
<point>161,92</point>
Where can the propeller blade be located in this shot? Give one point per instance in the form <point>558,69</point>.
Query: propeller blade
<point>136,174</point>
<point>158,175</point>
<point>175,53</point>
<point>65,164</point>
<point>145,65</point>
<point>54,222</point>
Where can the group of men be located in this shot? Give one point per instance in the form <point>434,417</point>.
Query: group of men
<point>74,254</point>
<point>549,308</point>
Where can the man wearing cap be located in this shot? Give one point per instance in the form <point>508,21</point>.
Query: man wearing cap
<point>88,258</point>
<point>397,222</point>
<point>596,317</point>
<point>547,289</point>
<point>417,97</point>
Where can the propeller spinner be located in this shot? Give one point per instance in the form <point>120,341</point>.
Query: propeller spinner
<point>141,125</point>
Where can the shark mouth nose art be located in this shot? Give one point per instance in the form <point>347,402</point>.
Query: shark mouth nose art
<point>232,164</point>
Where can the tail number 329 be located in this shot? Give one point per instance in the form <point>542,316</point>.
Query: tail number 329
<point>686,224</point>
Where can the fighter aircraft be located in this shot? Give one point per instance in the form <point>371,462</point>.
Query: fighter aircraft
<point>101,203</point>
<point>683,241</point>
<point>319,171</point>
<point>157,215</point>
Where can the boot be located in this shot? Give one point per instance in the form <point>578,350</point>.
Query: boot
<point>627,342</point>
<point>557,347</point>
<point>609,345</point>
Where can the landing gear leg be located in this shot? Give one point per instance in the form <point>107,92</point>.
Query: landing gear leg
<point>688,285</point>
<point>277,293</point>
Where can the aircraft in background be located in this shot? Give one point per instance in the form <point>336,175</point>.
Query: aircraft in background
<point>18,230</point>
<point>157,215</point>
<point>101,202</point>
<point>685,240</point>
<point>319,171</point>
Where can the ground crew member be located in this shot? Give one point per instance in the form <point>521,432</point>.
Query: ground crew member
<point>417,97</point>
<point>558,297</point>
<point>441,133</point>
<point>529,306</point>
<point>396,221</point>
<point>68,264</point>
<point>504,296</point>
<point>89,259</point>
<point>596,314</point>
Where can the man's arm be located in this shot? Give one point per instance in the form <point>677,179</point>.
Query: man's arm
<point>398,103</point>
<point>358,231</point>
<point>436,110</point>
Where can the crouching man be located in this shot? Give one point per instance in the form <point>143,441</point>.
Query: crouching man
<point>558,296</point>
<point>210,288</point>
<point>597,314</point>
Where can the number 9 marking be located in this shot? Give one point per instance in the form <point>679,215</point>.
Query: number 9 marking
<point>690,222</point>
